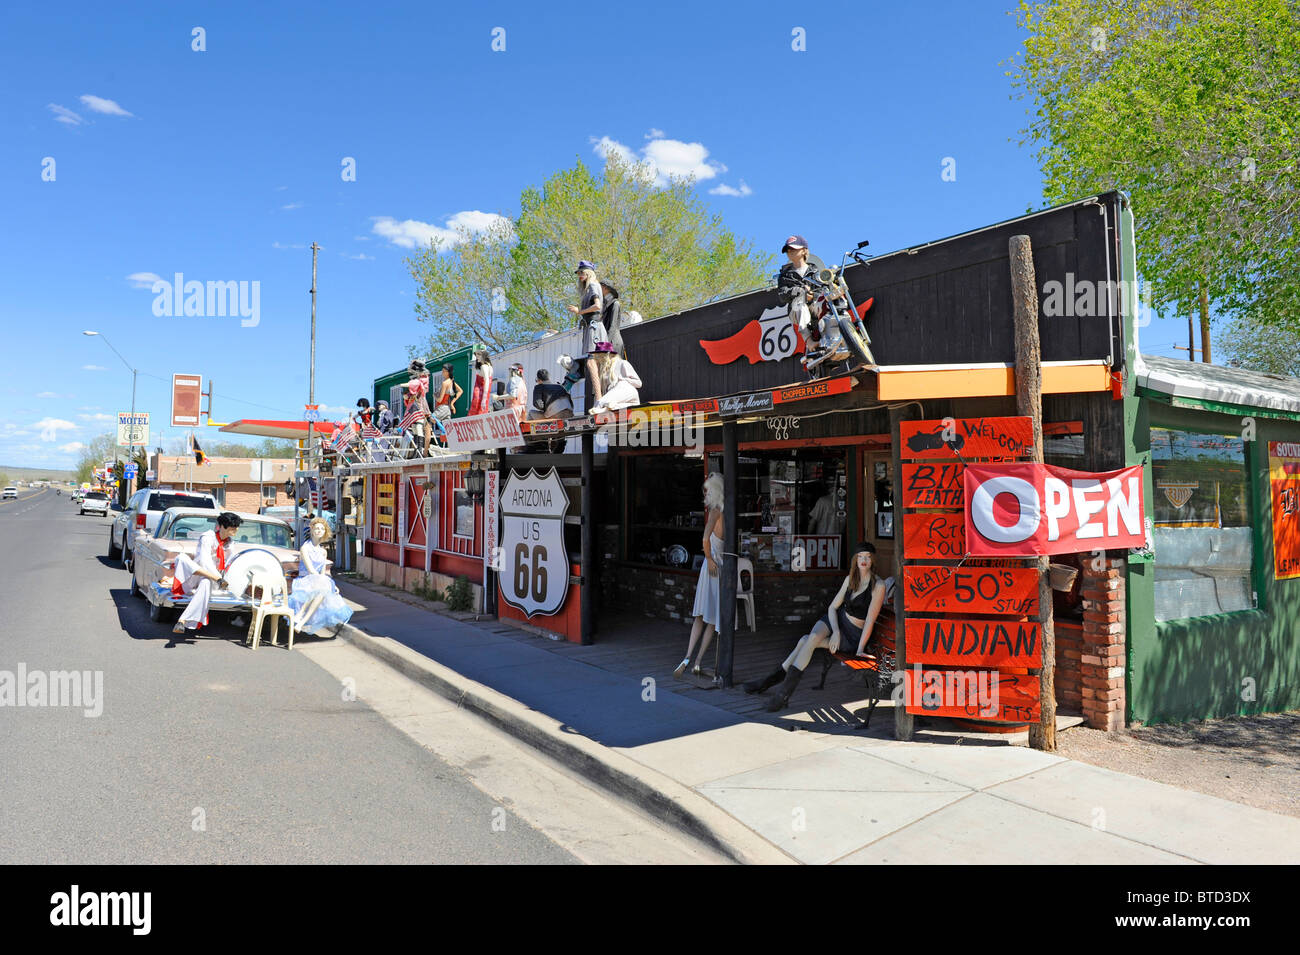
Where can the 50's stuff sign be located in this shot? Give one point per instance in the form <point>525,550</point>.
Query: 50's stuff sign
<point>1029,509</point>
<point>534,562</point>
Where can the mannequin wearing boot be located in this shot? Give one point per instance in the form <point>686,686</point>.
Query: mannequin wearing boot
<point>848,621</point>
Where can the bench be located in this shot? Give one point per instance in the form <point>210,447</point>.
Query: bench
<point>876,668</point>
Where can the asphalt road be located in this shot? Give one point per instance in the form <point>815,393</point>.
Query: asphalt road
<point>205,752</point>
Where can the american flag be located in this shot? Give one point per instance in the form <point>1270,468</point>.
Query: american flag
<point>313,494</point>
<point>413,415</point>
<point>368,430</point>
<point>339,438</point>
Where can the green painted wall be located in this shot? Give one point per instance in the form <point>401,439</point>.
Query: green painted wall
<point>461,361</point>
<point>1197,668</point>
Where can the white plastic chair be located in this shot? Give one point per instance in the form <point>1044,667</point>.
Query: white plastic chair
<point>745,591</point>
<point>270,596</point>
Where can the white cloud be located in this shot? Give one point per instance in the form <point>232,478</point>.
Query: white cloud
<point>144,279</point>
<point>665,158</point>
<point>92,368</point>
<point>360,257</point>
<point>50,428</point>
<point>72,447</point>
<point>96,417</point>
<point>654,133</point>
<point>289,206</point>
<point>722,189</point>
<point>281,245</point>
<point>64,115</point>
<point>361,238</point>
<point>409,233</point>
<point>47,394</point>
<point>98,104</point>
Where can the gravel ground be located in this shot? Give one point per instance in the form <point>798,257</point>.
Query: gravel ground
<point>1254,760</point>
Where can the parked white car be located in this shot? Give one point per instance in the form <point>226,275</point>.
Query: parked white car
<point>178,532</point>
<point>95,502</point>
<point>143,511</point>
<point>9,492</point>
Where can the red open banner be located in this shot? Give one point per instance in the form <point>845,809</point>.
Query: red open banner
<point>1035,509</point>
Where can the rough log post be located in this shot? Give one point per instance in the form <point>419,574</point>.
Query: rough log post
<point>1029,401</point>
<point>727,566</point>
<point>587,590</point>
<point>904,722</point>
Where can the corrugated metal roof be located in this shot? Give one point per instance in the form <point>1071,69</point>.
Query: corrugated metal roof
<point>1216,383</point>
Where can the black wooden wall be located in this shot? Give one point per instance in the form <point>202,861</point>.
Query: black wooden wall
<point>946,302</point>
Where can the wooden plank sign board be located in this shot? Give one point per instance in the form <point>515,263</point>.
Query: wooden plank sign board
<point>971,437</point>
<point>1002,590</point>
<point>974,643</point>
<point>934,536</point>
<point>932,484</point>
<point>972,694</point>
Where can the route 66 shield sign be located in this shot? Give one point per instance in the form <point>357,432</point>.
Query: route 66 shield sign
<point>535,564</point>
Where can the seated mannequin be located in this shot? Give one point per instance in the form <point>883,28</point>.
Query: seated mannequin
<point>315,597</point>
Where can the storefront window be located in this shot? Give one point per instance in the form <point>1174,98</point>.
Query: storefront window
<point>666,509</point>
<point>1202,519</point>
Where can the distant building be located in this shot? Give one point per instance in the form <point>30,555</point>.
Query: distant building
<point>239,484</point>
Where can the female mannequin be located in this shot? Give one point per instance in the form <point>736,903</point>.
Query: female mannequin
<point>315,597</point>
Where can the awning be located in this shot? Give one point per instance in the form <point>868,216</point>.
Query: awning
<point>1194,384</point>
<point>293,430</point>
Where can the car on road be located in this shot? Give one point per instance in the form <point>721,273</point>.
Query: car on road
<point>143,511</point>
<point>178,532</point>
<point>9,492</point>
<point>95,502</point>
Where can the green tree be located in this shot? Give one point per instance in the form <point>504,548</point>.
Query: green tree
<point>460,291</point>
<point>660,247</point>
<point>1192,107</point>
<point>1273,348</point>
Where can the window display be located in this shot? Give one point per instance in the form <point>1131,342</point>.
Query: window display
<point>1202,515</point>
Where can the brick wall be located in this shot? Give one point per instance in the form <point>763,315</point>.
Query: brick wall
<point>1069,650</point>
<point>1102,662</point>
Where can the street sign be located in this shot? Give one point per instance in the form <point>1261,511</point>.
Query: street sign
<point>311,413</point>
<point>130,472</point>
<point>187,393</point>
<point>535,564</point>
<point>133,432</point>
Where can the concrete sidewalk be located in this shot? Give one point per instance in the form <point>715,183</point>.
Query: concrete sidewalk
<point>822,794</point>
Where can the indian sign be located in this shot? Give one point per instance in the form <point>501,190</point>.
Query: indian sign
<point>534,562</point>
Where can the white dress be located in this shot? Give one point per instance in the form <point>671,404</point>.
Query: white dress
<point>199,588</point>
<point>313,579</point>
<point>708,591</point>
<point>624,389</point>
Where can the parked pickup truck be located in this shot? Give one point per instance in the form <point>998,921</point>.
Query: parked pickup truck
<point>178,532</point>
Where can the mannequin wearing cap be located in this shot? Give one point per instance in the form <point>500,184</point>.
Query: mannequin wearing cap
<point>417,390</point>
<point>315,597</point>
<point>791,288</point>
<point>846,626</point>
<point>593,330</point>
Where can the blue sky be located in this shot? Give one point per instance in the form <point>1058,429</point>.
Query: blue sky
<point>224,165</point>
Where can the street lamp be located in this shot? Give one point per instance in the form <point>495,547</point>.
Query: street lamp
<point>134,373</point>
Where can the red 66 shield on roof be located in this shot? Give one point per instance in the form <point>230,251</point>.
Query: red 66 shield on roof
<point>1034,509</point>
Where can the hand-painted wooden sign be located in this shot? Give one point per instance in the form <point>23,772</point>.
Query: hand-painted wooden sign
<point>974,643</point>
<point>972,694</point>
<point>932,484</point>
<point>969,437</point>
<point>1007,590</point>
<point>934,535</point>
<point>1284,478</point>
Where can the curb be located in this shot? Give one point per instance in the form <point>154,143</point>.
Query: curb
<point>661,796</point>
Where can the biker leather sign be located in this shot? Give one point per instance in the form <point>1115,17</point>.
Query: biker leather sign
<point>1029,509</point>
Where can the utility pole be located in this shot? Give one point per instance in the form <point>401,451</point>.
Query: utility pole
<point>1205,324</point>
<point>311,389</point>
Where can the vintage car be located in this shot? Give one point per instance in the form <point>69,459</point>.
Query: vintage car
<point>259,541</point>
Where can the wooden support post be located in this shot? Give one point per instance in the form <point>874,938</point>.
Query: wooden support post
<point>904,722</point>
<point>587,603</point>
<point>1029,401</point>
<point>727,567</point>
